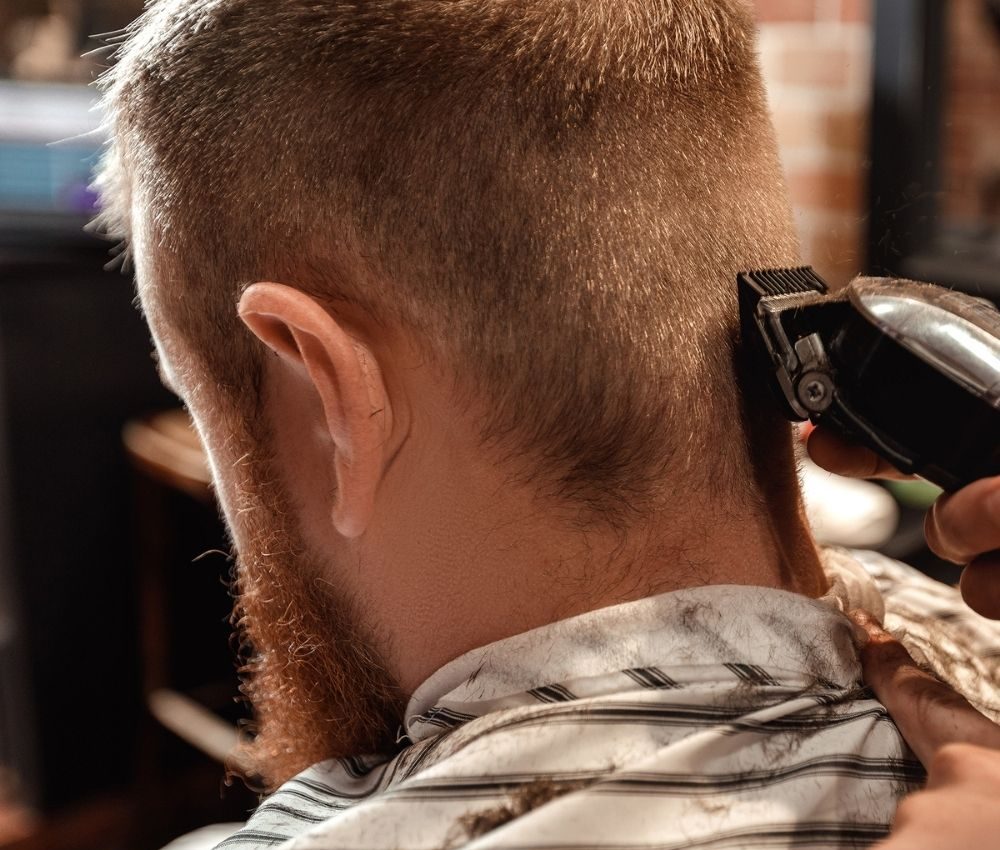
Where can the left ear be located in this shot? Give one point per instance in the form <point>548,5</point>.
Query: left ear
<point>345,375</point>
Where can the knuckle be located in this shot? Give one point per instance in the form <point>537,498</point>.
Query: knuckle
<point>953,760</point>
<point>909,810</point>
<point>944,533</point>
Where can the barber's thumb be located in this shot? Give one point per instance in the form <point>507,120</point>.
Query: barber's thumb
<point>929,713</point>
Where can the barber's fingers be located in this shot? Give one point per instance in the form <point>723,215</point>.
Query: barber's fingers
<point>929,714</point>
<point>958,810</point>
<point>964,524</point>
<point>958,745</point>
<point>963,527</point>
<point>836,454</point>
<point>981,585</point>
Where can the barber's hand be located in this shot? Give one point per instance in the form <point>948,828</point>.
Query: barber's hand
<point>963,527</point>
<point>959,746</point>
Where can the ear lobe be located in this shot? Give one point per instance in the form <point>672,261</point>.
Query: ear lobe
<point>345,375</point>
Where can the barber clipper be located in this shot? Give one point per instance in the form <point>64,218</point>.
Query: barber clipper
<point>910,370</point>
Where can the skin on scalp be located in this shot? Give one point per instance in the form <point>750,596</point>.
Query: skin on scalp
<point>549,200</point>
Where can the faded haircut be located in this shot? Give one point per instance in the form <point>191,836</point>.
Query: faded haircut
<point>555,196</point>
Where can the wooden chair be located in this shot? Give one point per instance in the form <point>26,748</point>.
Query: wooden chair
<point>166,453</point>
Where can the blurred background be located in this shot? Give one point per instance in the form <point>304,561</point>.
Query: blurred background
<point>118,700</point>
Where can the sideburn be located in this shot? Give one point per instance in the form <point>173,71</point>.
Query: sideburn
<point>309,664</point>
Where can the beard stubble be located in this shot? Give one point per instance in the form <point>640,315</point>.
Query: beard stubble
<point>310,668</point>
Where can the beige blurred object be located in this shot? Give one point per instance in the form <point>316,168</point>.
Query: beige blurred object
<point>190,720</point>
<point>46,49</point>
<point>17,821</point>
<point>205,838</point>
<point>12,13</point>
<point>846,511</point>
<point>167,448</point>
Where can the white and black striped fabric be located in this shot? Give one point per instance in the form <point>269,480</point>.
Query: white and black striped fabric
<point>715,717</point>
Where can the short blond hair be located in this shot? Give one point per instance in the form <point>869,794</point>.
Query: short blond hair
<point>555,195</point>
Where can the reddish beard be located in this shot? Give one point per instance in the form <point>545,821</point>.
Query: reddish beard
<point>318,686</point>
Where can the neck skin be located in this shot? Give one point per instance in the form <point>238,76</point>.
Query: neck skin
<point>457,556</point>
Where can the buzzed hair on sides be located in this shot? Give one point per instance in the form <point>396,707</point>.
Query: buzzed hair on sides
<point>554,195</point>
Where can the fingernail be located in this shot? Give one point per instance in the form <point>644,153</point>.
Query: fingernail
<point>868,624</point>
<point>860,616</point>
<point>859,619</point>
<point>860,636</point>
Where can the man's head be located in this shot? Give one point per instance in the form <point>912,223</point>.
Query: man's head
<point>531,211</point>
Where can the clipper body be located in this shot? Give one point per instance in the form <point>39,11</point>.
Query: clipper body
<point>910,370</point>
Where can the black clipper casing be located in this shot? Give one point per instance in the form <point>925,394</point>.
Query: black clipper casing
<point>910,370</point>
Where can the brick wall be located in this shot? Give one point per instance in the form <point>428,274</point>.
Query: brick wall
<point>816,57</point>
<point>971,132</point>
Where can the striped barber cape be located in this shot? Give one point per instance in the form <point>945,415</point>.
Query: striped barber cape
<point>713,717</point>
